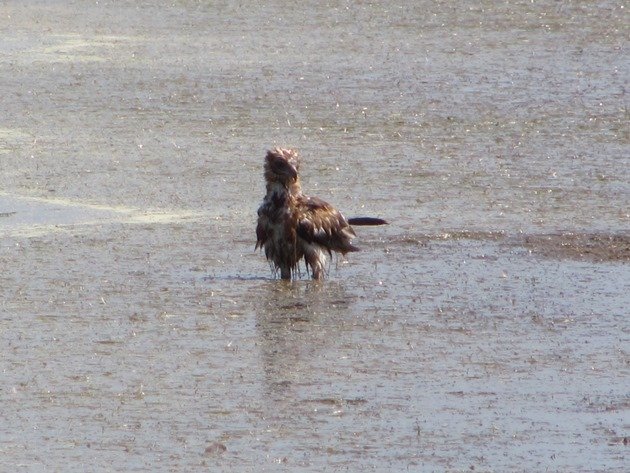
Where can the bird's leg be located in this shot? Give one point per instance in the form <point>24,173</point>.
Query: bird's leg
<point>316,259</point>
<point>285,273</point>
<point>318,273</point>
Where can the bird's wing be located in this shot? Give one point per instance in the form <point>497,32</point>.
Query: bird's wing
<point>320,223</point>
<point>261,229</point>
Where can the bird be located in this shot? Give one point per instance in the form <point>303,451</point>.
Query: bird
<point>292,225</point>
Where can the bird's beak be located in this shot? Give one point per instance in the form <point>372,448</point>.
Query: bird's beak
<point>293,172</point>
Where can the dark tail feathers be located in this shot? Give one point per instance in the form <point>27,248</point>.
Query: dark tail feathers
<point>358,221</point>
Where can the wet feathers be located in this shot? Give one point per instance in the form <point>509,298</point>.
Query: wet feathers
<point>292,226</point>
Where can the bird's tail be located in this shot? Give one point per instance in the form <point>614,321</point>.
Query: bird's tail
<point>358,221</point>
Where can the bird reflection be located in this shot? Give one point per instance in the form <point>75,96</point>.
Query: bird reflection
<point>298,325</point>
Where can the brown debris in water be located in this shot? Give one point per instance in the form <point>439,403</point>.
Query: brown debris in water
<point>215,448</point>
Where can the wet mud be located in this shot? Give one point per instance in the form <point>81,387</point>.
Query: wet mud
<point>591,247</point>
<point>484,329</point>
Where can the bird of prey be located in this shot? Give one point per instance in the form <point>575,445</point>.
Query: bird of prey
<point>292,226</point>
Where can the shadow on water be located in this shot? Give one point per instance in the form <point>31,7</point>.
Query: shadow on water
<point>236,278</point>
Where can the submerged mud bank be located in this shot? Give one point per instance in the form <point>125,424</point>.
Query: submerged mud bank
<point>582,246</point>
<point>593,247</point>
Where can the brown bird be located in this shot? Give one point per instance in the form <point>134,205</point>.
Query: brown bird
<point>292,226</point>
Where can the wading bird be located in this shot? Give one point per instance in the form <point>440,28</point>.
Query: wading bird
<point>292,226</point>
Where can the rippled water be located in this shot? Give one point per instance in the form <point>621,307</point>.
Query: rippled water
<point>485,327</point>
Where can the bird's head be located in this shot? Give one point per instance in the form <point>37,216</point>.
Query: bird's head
<point>281,166</point>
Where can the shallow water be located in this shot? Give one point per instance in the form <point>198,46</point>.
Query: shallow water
<point>485,327</point>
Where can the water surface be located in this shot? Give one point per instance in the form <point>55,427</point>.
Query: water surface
<point>485,328</point>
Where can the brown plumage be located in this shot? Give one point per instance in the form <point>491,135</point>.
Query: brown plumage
<point>292,226</point>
